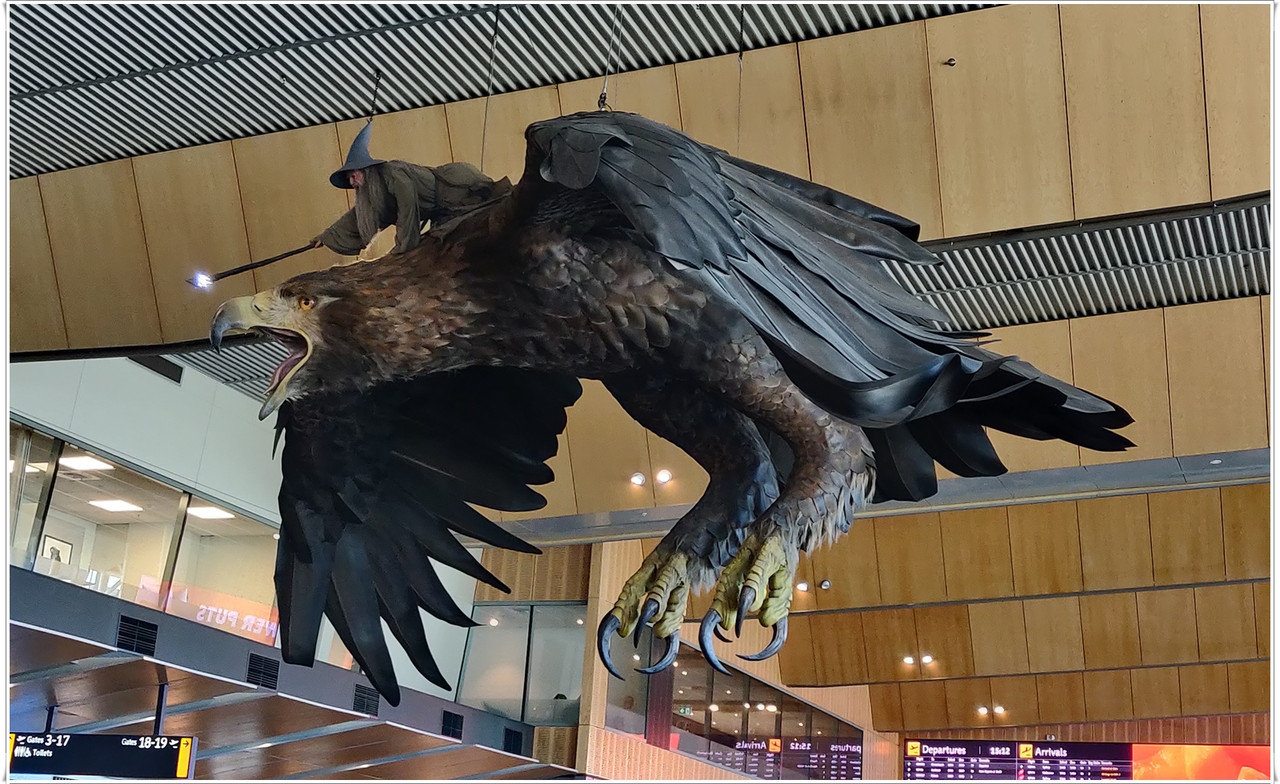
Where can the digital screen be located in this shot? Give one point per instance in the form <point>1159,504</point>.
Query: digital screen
<point>791,757</point>
<point>55,755</point>
<point>1050,760</point>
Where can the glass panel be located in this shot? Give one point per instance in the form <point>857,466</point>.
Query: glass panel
<point>799,760</point>
<point>496,650</point>
<point>30,456</point>
<point>729,712</point>
<point>108,528</point>
<point>628,700</point>
<point>846,753</point>
<point>689,722</point>
<point>762,746</point>
<point>223,576</point>
<point>555,665</point>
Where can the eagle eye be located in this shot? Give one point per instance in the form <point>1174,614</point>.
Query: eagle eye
<point>306,303</point>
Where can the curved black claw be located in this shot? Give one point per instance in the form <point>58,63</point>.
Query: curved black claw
<point>775,645</point>
<point>673,647</point>
<point>604,635</point>
<point>647,611</point>
<point>745,598</point>
<point>709,622</point>
<point>721,636</point>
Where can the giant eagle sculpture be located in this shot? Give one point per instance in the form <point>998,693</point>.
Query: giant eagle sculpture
<point>725,305</point>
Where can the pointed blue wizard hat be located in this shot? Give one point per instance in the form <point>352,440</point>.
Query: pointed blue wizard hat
<point>358,157</point>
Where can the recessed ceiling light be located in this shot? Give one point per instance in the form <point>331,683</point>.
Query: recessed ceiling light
<point>825,585</point>
<point>663,476</point>
<point>728,691</point>
<point>713,707</point>
<point>679,691</point>
<point>771,708</point>
<point>802,724</point>
<point>982,710</point>
<point>493,621</point>
<point>116,505</point>
<point>926,659</point>
<point>276,537</point>
<point>760,706</point>
<point>802,586</point>
<point>637,479</point>
<point>908,660</point>
<point>579,621</point>
<point>210,513</point>
<point>1216,461</point>
<point>635,657</point>
<point>746,705</point>
<point>84,463</point>
<point>684,672</point>
<point>998,709</point>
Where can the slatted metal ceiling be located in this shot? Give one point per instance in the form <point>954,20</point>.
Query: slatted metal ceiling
<point>1174,257</point>
<point>97,82</point>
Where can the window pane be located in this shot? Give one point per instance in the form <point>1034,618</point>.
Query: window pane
<point>798,758</point>
<point>555,665</point>
<point>689,725</point>
<point>628,700</point>
<point>30,455</point>
<point>762,749</point>
<point>223,577</point>
<point>108,528</point>
<point>495,664</point>
<point>728,718</point>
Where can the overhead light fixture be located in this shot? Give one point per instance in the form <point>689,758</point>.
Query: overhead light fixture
<point>713,707</point>
<point>276,536</point>
<point>771,708</point>
<point>116,505</point>
<point>84,463</point>
<point>663,476</point>
<point>746,705</point>
<point>635,657</point>
<point>679,691</point>
<point>825,585</point>
<point>684,672</point>
<point>982,710</point>
<point>908,660</point>
<point>637,479</point>
<point>209,513</point>
<point>579,621</point>
<point>998,709</point>
<point>802,586</point>
<point>493,621</point>
<point>760,706</point>
<point>926,659</point>
<point>728,691</point>
<point>802,724</point>
<point>1216,461</point>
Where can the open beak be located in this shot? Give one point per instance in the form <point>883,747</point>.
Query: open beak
<point>244,314</point>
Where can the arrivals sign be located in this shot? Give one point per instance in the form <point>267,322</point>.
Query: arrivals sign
<point>50,755</point>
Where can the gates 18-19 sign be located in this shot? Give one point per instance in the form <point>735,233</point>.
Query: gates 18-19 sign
<point>108,756</point>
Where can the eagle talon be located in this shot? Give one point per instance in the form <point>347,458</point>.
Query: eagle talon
<point>673,647</point>
<point>775,645</point>
<point>709,622</point>
<point>647,611</point>
<point>608,626</point>
<point>721,636</point>
<point>746,597</point>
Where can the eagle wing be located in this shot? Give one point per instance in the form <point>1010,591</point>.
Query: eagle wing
<point>374,488</point>
<point>805,265</point>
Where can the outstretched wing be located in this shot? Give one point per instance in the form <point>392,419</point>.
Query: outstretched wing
<point>804,264</point>
<point>374,487</point>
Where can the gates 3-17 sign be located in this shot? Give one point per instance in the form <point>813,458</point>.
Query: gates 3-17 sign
<point>107,756</point>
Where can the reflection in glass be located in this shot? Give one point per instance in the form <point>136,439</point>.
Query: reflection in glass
<point>30,458</point>
<point>728,718</point>
<point>120,553</point>
<point>493,679</point>
<point>627,701</point>
<point>555,665</point>
<point>691,718</point>
<point>222,577</point>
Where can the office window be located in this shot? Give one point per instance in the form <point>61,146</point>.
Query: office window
<point>494,677</point>
<point>555,665</point>
<point>627,701</point>
<point>31,455</point>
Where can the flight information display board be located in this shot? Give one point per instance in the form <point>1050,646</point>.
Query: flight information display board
<point>791,758</point>
<point>33,755</point>
<point>1050,760</point>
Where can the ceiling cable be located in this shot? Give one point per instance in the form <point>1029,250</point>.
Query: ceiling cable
<point>742,26</point>
<point>493,56</point>
<point>615,42</point>
<point>373,103</point>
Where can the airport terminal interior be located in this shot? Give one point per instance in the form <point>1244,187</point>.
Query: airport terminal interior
<point>1095,180</point>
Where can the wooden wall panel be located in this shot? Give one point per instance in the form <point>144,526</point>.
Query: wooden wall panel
<point>886,706</point>
<point>511,567</point>
<point>963,700</point>
<point>287,198</point>
<point>999,638</point>
<point>1000,169</point>
<point>1109,628</point>
<point>1061,697</point>
<point>1265,306</point>
<point>1237,87</point>
<point>870,120</point>
<point>1115,542</point>
<point>650,92</point>
<point>1186,536</point>
<point>608,447</point>
<point>975,550</point>
<point>909,550</point>
<point>35,318</point>
<point>1045,542</point>
<point>851,564</point>
<point>1225,622</point>
<point>942,631</point>
<point>924,704</point>
<point>1017,695</point>
<point>100,255</point>
<point>797,663</point>
<point>1163,628</point>
<point>1054,635</point>
<point>1048,347</point>
<point>1108,695</point>
<point>688,479</point>
<point>888,636</point>
<point>1204,689</point>
<point>560,574</point>
<point>191,212</point>
<point>839,648</point>
<point>1262,609</point>
<point>1135,107</point>
<point>1249,686</point>
<point>498,149</point>
<point>1139,383</point>
<point>1246,530</point>
<point>1216,390</point>
<point>1156,692</point>
<point>561,499</point>
<point>556,745</point>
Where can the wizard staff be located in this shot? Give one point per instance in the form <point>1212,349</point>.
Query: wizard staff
<point>204,280</point>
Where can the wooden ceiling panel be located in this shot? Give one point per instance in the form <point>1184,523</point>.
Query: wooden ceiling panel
<point>1164,626</point>
<point>1225,622</point>
<point>1246,530</point>
<point>975,551</point>
<point>1204,689</point>
<point>1109,628</point>
<point>1186,536</point>
<point>942,631</point>
<point>1237,86</point>
<point>35,323</point>
<point>964,697</point>
<point>1061,697</point>
<point>886,706</point>
<point>1249,686</point>
<point>797,660</point>
<point>1045,542</point>
<point>839,651</point>
<point>495,143</point>
<point>1017,695</point>
<point>688,479</point>
<point>909,550</point>
<point>1054,635</point>
<point>609,447</point>
<point>651,92</point>
<point>852,566</point>
<point>1262,613</point>
<point>1046,345</point>
<point>999,638</point>
<point>1108,695</point>
<point>560,493</point>
<point>924,704</point>
<point>889,636</point>
<point>1115,542</point>
<point>1156,692</point>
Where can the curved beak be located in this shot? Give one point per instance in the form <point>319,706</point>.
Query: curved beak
<point>235,315</point>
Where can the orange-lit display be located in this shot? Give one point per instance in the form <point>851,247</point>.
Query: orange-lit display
<point>1205,763</point>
